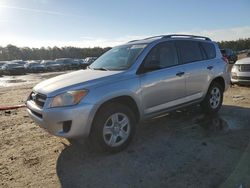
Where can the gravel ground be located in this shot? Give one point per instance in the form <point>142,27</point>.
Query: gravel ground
<point>181,149</point>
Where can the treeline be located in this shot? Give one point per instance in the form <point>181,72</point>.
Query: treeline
<point>237,45</point>
<point>11,52</point>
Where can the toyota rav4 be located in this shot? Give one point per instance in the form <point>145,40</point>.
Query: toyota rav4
<point>128,84</point>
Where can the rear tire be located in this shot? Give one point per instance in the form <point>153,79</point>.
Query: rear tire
<point>113,128</point>
<point>214,98</point>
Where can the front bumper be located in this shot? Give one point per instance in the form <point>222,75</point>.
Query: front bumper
<point>67,122</point>
<point>240,77</point>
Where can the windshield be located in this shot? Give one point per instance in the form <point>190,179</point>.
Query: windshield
<point>34,64</point>
<point>65,61</point>
<point>118,58</point>
<point>13,65</point>
<point>51,63</point>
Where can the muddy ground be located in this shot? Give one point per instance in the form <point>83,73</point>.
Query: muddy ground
<point>182,149</point>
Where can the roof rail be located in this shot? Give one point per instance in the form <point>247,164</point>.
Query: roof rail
<point>132,41</point>
<point>174,35</point>
<point>187,36</point>
<point>159,36</point>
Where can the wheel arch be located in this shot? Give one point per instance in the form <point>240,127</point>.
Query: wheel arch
<point>219,80</point>
<point>125,100</point>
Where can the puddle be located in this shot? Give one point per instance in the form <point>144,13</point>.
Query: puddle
<point>220,124</point>
<point>212,124</point>
<point>10,81</point>
<point>192,117</point>
<point>15,81</point>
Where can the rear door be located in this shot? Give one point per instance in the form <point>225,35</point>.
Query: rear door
<point>196,67</point>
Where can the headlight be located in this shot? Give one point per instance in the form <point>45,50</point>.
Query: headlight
<point>69,98</point>
<point>234,68</point>
<point>234,75</point>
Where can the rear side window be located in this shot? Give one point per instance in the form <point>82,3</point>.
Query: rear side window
<point>209,49</point>
<point>190,51</point>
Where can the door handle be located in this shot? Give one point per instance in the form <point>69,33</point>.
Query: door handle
<point>210,67</point>
<point>180,74</point>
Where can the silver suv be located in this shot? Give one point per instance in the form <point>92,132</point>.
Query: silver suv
<point>130,83</point>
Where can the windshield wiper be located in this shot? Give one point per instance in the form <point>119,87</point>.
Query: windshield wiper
<point>101,68</point>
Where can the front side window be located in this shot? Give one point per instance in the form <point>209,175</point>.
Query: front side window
<point>118,58</point>
<point>190,51</point>
<point>162,56</point>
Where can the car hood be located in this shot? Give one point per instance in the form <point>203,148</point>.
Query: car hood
<point>71,80</point>
<point>53,65</point>
<point>243,61</point>
<point>37,66</point>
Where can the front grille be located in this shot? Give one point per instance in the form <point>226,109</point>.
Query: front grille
<point>244,68</point>
<point>37,114</point>
<point>243,78</point>
<point>38,98</point>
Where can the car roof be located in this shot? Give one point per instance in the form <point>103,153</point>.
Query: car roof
<point>46,61</point>
<point>12,64</point>
<point>63,59</point>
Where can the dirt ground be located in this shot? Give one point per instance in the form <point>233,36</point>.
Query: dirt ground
<point>181,149</point>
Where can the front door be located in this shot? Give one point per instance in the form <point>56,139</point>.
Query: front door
<point>162,79</point>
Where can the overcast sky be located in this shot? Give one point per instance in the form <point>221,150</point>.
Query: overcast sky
<point>89,23</point>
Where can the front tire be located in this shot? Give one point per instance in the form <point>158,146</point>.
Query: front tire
<point>113,128</point>
<point>214,98</point>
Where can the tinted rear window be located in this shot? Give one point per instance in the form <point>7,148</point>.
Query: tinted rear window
<point>190,51</point>
<point>209,49</point>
